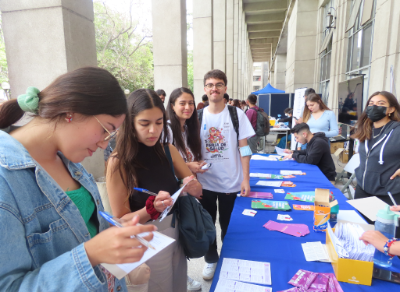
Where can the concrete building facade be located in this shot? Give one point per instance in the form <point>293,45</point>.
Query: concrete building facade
<point>325,42</point>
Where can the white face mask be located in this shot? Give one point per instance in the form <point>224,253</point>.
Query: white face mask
<point>286,115</point>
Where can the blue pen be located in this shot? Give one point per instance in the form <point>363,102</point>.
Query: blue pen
<point>145,191</point>
<point>114,222</point>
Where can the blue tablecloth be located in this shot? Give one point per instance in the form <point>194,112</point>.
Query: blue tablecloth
<point>248,239</point>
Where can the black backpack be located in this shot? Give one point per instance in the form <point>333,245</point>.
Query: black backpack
<point>232,114</point>
<point>263,126</point>
<point>196,227</point>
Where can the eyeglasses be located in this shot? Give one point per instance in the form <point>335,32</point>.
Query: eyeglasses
<point>211,86</point>
<point>110,135</point>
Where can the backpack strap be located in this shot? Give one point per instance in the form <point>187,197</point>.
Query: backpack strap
<point>235,119</point>
<point>200,116</point>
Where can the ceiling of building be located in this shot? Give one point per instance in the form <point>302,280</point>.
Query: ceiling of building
<point>264,19</point>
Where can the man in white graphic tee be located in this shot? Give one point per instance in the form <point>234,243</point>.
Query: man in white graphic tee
<point>229,171</point>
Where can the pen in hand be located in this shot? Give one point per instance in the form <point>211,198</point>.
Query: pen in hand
<point>391,197</point>
<point>114,222</point>
<point>145,191</point>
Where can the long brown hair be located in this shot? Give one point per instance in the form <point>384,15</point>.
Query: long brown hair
<point>127,148</point>
<point>88,91</point>
<point>364,124</point>
<point>193,126</point>
<point>314,98</point>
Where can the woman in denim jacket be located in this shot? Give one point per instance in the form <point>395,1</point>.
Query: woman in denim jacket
<point>52,238</point>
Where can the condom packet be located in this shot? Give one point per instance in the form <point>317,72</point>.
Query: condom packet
<point>303,279</point>
<point>320,283</point>
<point>333,284</point>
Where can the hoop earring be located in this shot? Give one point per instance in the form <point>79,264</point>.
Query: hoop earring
<point>68,119</point>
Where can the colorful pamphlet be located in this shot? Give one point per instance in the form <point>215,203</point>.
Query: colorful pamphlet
<point>301,196</point>
<point>267,175</point>
<point>270,205</point>
<point>260,195</point>
<point>291,229</point>
<point>303,207</point>
<point>288,184</point>
<point>285,217</point>
<point>249,212</point>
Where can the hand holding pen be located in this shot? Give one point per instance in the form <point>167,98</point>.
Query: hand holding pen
<point>115,245</point>
<point>162,200</point>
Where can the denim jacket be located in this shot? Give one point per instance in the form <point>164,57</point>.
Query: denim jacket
<point>41,230</point>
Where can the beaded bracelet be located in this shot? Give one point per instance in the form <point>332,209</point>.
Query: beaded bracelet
<point>387,245</point>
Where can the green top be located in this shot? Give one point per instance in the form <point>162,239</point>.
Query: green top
<point>86,206</point>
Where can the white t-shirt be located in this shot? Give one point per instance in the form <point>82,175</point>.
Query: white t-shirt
<point>219,146</point>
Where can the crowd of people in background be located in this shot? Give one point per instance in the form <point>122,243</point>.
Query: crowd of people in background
<point>52,234</point>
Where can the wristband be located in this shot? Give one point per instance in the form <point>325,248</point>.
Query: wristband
<point>388,245</point>
<point>245,151</point>
<point>154,214</point>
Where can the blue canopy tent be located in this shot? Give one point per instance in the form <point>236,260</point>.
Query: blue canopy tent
<point>268,89</point>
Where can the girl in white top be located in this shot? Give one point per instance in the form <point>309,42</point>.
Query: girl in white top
<point>184,128</point>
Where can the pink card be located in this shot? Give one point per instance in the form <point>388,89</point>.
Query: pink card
<point>291,229</point>
<point>260,195</point>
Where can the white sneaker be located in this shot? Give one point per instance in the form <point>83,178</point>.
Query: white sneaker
<point>193,285</point>
<point>209,270</point>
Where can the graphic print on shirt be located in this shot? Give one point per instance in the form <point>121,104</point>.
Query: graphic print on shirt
<point>216,142</point>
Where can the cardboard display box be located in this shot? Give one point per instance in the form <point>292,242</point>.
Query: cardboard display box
<point>335,146</point>
<point>344,156</point>
<point>347,270</point>
<point>322,209</point>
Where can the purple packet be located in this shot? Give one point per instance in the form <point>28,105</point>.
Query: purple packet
<point>333,284</point>
<point>303,279</point>
<point>320,283</point>
<point>290,290</point>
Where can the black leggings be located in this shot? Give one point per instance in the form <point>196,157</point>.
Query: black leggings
<point>360,193</point>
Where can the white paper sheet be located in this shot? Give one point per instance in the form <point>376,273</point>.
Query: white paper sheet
<point>291,172</point>
<point>246,271</point>
<point>279,191</point>
<point>315,251</point>
<point>159,242</point>
<point>264,183</point>
<point>369,206</point>
<point>260,157</point>
<point>350,216</point>
<point>280,151</point>
<point>236,286</point>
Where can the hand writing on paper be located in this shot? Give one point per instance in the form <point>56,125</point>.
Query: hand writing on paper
<point>375,238</point>
<point>288,156</point>
<point>288,151</point>
<point>245,188</point>
<point>193,188</point>
<point>115,245</point>
<point>196,166</point>
<point>397,173</point>
<point>162,201</point>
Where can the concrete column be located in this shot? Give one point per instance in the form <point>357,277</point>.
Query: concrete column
<point>219,28</point>
<point>202,44</point>
<point>234,84</point>
<point>301,50</point>
<point>169,44</point>
<point>279,73</point>
<point>386,49</point>
<point>229,45</point>
<point>240,48</point>
<point>45,39</point>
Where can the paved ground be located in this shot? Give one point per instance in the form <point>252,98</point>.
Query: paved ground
<point>195,266</point>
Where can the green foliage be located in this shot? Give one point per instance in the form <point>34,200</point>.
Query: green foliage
<point>190,69</point>
<point>122,49</point>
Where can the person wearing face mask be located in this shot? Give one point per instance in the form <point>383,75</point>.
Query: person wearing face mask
<point>379,134</point>
<point>52,235</point>
<point>142,160</point>
<point>318,151</point>
<point>319,117</point>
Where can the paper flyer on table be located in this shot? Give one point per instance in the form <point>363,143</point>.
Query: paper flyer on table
<point>246,271</point>
<point>159,241</point>
<point>236,286</point>
<point>280,151</point>
<point>275,184</point>
<point>315,251</point>
<point>289,172</point>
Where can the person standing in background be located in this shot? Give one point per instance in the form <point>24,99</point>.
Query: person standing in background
<point>236,103</point>
<point>161,93</point>
<point>251,113</point>
<point>204,102</point>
